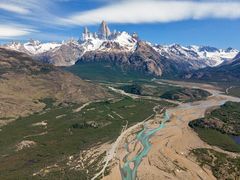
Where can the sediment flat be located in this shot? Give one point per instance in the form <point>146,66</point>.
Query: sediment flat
<point>169,155</point>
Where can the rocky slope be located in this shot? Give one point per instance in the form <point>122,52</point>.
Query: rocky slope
<point>25,82</point>
<point>128,51</point>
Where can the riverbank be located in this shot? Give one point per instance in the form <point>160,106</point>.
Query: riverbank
<point>169,153</point>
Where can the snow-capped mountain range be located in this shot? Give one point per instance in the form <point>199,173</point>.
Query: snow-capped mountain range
<point>209,55</point>
<point>126,49</point>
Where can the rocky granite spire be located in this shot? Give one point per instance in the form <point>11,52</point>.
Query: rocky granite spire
<point>104,31</point>
<point>85,30</point>
<point>85,34</point>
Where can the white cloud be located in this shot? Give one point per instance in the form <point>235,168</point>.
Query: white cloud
<point>150,11</point>
<point>12,31</point>
<point>13,8</point>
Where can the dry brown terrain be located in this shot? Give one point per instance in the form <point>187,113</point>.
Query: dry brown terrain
<point>169,157</point>
<point>24,82</point>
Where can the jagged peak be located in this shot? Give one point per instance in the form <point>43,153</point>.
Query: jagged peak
<point>15,42</point>
<point>93,41</point>
<point>85,30</point>
<point>230,49</point>
<point>33,42</point>
<point>208,49</point>
<point>104,31</point>
<point>86,35</point>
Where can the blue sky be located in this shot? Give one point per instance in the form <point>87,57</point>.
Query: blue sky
<point>186,22</point>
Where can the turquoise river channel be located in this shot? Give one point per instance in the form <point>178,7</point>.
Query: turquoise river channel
<point>143,137</point>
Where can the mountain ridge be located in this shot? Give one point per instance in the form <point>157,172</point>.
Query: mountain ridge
<point>122,48</point>
<point>225,72</point>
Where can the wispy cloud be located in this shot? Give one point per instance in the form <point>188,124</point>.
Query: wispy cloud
<point>49,15</point>
<point>23,18</point>
<point>34,11</point>
<point>150,11</point>
<point>13,8</point>
<point>13,31</point>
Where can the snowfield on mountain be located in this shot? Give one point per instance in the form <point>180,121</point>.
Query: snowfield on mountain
<point>127,51</point>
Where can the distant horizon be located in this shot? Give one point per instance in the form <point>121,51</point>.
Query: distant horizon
<point>2,42</point>
<point>214,23</point>
<point>95,29</point>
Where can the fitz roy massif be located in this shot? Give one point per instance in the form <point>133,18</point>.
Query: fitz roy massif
<point>126,50</point>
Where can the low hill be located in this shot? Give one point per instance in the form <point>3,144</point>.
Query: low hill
<point>24,83</point>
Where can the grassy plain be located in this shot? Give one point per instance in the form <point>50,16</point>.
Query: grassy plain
<point>65,134</point>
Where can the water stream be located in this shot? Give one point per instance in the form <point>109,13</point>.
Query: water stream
<point>129,169</point>
<point>143,137</point>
